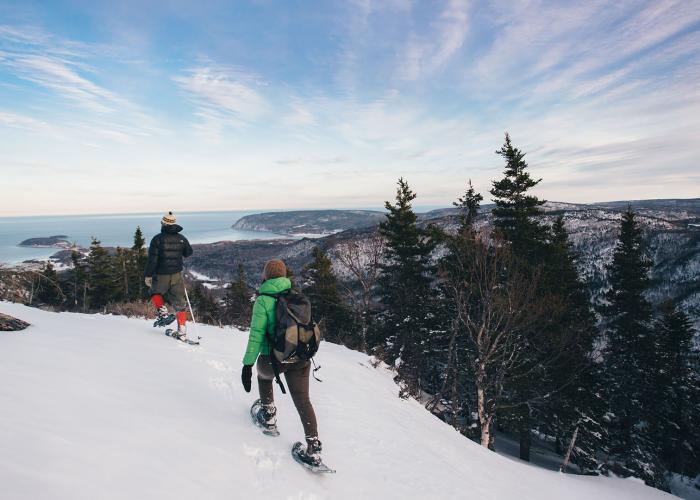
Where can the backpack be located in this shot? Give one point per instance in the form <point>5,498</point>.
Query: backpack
<point>296,336</point>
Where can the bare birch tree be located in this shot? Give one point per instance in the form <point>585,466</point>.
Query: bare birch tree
<point>494,302</point>
<point>359,259</point>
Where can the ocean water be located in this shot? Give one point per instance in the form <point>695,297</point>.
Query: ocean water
<point>114,230</point>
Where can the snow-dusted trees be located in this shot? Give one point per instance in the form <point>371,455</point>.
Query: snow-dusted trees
<point>405,290</point>
<point>495,302</point>
<point>358,260</point>
<point>321,286</point>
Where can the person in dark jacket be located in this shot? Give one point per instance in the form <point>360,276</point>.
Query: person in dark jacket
<point>163,273</point>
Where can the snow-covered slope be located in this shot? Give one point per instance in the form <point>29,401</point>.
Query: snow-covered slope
<point>102,407</point>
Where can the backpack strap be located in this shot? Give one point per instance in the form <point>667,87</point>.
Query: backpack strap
<point>271,345</point>
<point>275,366</point>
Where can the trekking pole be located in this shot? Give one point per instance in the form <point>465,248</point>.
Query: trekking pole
<point>194,320</point>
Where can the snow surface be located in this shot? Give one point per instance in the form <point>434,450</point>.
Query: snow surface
<point>106,407</point>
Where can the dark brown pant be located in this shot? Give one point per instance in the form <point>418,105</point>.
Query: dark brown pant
<point>297,377</point>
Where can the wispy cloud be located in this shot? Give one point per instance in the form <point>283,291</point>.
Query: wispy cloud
<point>63,69</point>
<point>425,55</point>
<point>62,77</point>
<point>223,97</point>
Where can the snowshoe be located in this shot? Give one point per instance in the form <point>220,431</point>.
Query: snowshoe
<point>264,418</point>
<point>309,456</point>
<point>164,320</point>
<point>182,338</point>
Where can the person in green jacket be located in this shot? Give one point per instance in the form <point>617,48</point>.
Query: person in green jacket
<point>275,282</point>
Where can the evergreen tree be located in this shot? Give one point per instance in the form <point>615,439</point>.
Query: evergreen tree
<point>677,386</point>
<point>516,210</point>
<point>322,289</point>
<point>100,275</point>
<point>205,307</point>
<point>78,282</point>
<point>630,356</point>
<point>49,287</point>
<point>237,304</point>
<point>139,256</point>
<point>122,265</point>
<point>404,289</point>
<point>453,381</point>
<point>516,221</point>
<point>468,206</point>
<point>573,377</point>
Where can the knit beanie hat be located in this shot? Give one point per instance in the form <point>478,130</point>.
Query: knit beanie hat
<point>274,269</point>
<point>168,219</point>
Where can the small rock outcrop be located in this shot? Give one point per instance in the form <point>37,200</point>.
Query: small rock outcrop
<point>10,324</point>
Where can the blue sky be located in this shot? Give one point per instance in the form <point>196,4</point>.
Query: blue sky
<point>126,107</point>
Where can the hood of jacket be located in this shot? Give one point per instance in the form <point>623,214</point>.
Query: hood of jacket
<point>275,285</point>
<point>170,228</point>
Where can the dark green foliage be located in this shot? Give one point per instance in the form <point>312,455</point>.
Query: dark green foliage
<point>468,206</point>
<point>237,305</point>
<point>77,282</point>
<point>122,265</point>
<point>100,275</point>
<point>404,289</point>
<point>676,389</point>
<point>322,289</point>
<point>138,258</point>
<point>454,382</point>
<point>206,308</point>
<point>49,291</point>
<point>630,359</point>
<point>515,209</point>
<point>573,376</point>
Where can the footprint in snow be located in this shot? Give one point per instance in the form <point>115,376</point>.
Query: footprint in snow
<point>220,384</point>
<point>219,365</point>
<point>263,460</point>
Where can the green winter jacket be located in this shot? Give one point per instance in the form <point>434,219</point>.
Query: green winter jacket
<point>263,320</point>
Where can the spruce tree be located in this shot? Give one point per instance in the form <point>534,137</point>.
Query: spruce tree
<point>237,305</point>
<point>322,289</point>
<point>516,221</point>
<point>404,289</point>
<point>572,375</point>
<point>100,275</point>
<point>676,387</point>
<point>49,287</point>
<point>122,266</point>
<point>516,210</point>
<point>630,356</point>
<point>454,381</point>
<point>139,256</point>
<point>205,307</point>
<point>468,206</point>
<point>78,282</point>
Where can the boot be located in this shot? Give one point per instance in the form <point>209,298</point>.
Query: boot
<point>164,317</point>
<point>312,453</point>
<point>181,332</point>
<point>267,416</point>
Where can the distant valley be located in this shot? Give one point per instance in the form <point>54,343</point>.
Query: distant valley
<point>672,229</point>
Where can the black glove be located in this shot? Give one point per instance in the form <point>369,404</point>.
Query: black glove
<point>246,376</point>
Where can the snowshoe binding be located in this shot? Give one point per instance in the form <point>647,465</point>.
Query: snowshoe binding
<point>309,456</point>
<point>182,337</point>
<point>164,317</point>
<point>265,417</point>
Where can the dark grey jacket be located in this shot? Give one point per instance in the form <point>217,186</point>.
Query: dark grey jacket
<point>166,251</point>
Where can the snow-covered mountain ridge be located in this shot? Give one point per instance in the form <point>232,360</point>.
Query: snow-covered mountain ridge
<point>107,407</point>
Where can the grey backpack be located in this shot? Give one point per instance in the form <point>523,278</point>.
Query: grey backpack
<point>296,336</point>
